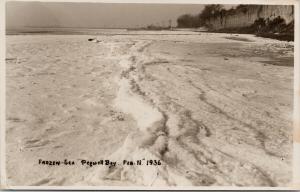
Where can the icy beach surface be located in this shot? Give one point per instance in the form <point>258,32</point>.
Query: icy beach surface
<point>214,109</point>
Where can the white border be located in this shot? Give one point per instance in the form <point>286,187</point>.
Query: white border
<point>267,2</point>
<point>2,95</point>
<point>296,149</point>
<point>296,143</point>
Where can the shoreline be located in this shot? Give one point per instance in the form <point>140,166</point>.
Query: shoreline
<point>185,31</point>
<point>278,36</point>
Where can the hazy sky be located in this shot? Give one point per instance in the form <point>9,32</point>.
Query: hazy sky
<point>93,15</point>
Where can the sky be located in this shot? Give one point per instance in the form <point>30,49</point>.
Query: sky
<point>93,15</point>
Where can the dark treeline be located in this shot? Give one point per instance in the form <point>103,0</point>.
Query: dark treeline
<point>199,20</point>
<point>188,21</point>
<point>209,11</point>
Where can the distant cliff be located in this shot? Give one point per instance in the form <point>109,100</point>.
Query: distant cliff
<point>275,21</point>
<point>245,16</point>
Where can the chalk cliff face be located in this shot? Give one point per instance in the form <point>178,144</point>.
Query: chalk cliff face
<point>247,16</point>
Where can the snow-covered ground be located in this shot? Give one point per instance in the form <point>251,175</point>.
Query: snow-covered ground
<point>213,109</point>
